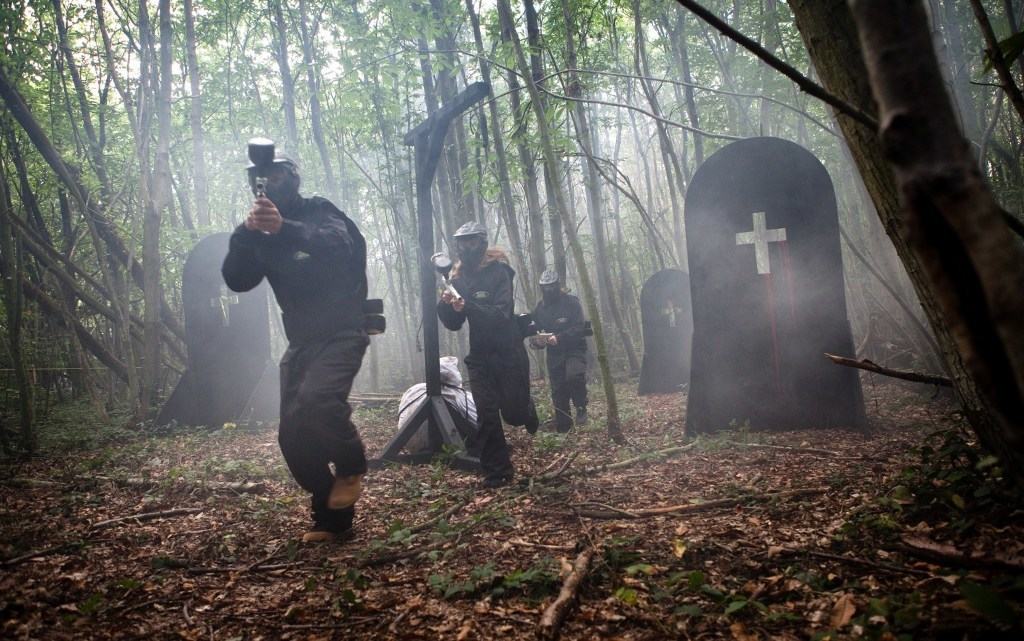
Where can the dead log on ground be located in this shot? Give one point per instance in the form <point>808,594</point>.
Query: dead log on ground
<point>554,615</point>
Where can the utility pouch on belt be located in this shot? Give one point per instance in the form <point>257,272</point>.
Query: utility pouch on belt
<point>373,316</point>
<point>587,329</point>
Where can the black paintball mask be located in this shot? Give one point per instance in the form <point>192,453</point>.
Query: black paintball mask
<point>550,287</point>
<point>471,250</point>
<point>471,244</point>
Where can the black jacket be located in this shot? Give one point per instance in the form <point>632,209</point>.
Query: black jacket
<point>490,307</point>
<point>564,319</point>
<point>316,265</point>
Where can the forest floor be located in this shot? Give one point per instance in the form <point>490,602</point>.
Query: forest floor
<point>908,531</point>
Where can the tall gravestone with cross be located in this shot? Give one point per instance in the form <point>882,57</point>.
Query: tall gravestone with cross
<point>230,375</point>
<point>766,280</point>
<point>668,327</point>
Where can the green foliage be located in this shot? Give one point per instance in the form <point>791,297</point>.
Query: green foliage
<point>1010,47</point>
<point>534,581</point>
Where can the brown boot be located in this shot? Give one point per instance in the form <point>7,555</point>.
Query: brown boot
<point>318,535</point>
<point>323,534</point>
<point>345,492</point>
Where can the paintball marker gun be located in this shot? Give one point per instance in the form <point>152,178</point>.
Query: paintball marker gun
<point>261,155</point>
<point>443,266</point>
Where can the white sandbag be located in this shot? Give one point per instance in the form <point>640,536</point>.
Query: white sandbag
<point>451,390</point>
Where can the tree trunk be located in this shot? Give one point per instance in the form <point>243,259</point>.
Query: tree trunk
<point>315,113</point>
<point>11,267</point>
<point>196,122</point>
<point>586,138</point>
<point>614,424</point>
<point>506,200</point>
<point>158,201</point>
<point>673,170</point>
<point>970,258</point>
<point>828,30</point>
<point>287,81</point>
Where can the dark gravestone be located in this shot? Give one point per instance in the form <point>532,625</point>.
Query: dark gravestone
<point>668,328</point>
<point>766,276</point>
<point>230,376</point>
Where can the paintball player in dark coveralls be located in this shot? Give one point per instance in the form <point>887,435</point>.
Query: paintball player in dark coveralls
<point>561,315</point>
<point>499,369</point>
<point>314,257</point>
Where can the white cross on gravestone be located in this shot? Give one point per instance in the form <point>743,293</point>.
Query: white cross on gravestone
<point>224,301</point>
<point>759,238</point>
<point>670,311</point>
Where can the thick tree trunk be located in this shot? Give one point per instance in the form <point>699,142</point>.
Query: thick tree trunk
<point>158,200</point>
<point>11,268</point>
<point>971,260</point>
<point>828,30</point>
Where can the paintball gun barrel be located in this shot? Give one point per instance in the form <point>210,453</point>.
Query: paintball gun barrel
<point>261,155</point>
<point>443,266</point>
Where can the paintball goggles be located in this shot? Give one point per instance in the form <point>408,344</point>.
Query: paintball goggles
<point>443,266</point>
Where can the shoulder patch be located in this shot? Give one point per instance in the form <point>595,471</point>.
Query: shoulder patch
<point>300,255</point>
<point>482,295</point>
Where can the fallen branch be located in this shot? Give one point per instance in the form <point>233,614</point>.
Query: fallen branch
<point>869,366</point>
<point>11,562</point>
<point>804,450</point>
<point>147,516</point>
<point>30,482</point>
<point>888,567</point>
<point>256,567</point>
<point>554,615</point>
<point>239,487</point>
<point>543,546</point>
<point>437,519</point>
<point>610,512</point>
<point>598,469</point>
<point>948,555</point>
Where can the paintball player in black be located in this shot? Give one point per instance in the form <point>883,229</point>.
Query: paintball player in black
<point>314,257</point>
<point>559,318</point>
<point>499,369</point>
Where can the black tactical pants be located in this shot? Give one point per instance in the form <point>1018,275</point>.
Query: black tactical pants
<point>485,374</point>
<point>567,376</point>
<point>316,419</point>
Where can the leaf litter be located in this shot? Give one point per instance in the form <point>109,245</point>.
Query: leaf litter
<point>906,531</point>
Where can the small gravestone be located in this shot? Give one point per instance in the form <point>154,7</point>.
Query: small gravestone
<point>668,327</point>
<point>229,376</point>
<point>766,276</point>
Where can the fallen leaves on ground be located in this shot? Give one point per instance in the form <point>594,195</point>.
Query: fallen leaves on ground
<point>436,557</point>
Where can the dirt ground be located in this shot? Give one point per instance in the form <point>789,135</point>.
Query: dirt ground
<point>820,534</point>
